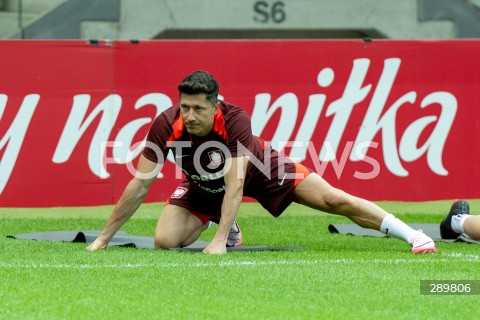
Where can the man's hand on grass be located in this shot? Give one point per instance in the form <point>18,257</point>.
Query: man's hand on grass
<point>97,245</point>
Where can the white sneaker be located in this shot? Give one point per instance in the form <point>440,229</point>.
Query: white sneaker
<point>421,243</point>
<point>234,236</point>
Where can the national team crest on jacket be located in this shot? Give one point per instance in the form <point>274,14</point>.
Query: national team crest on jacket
<point>216,157</point>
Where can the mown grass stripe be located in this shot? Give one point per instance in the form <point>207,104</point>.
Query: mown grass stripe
<point>456,256</point>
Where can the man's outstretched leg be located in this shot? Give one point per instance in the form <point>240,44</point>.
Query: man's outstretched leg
<point>316,193</point>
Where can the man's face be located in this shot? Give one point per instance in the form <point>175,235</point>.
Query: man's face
<point>197,113</point>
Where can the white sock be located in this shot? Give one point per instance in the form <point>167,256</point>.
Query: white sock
<point>396,228</point>
<point>457,222</point>
<point>210,223</point>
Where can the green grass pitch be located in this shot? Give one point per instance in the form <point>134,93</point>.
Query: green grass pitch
<point>335,277</point>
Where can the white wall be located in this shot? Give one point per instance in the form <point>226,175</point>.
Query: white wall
<point>147,19</point>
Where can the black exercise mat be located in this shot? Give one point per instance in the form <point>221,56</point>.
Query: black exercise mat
<point>431,230</point>
<point>192,247</point>
<point>124,239</point>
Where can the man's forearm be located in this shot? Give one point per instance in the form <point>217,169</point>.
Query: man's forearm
<point>128,203</point>
<point>234,179</point>
<point>230,206</point>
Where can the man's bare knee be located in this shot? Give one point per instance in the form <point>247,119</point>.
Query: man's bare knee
<point>161,242</point>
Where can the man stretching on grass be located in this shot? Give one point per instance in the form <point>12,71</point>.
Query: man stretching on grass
<point>213,145</point>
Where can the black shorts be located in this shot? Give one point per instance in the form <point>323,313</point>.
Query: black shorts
<point>275,193</point>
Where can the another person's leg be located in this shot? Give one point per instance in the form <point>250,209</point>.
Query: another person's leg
<point>315,192</point>
<point>460,221</point>
<point>471,227</point>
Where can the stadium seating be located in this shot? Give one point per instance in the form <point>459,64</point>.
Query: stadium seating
<point>233,19</point>
<point>11,20</point>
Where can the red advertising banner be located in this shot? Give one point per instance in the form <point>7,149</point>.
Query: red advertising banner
<point>384,120</point>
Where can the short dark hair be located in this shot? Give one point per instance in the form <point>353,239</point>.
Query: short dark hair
<point>200,82</point>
